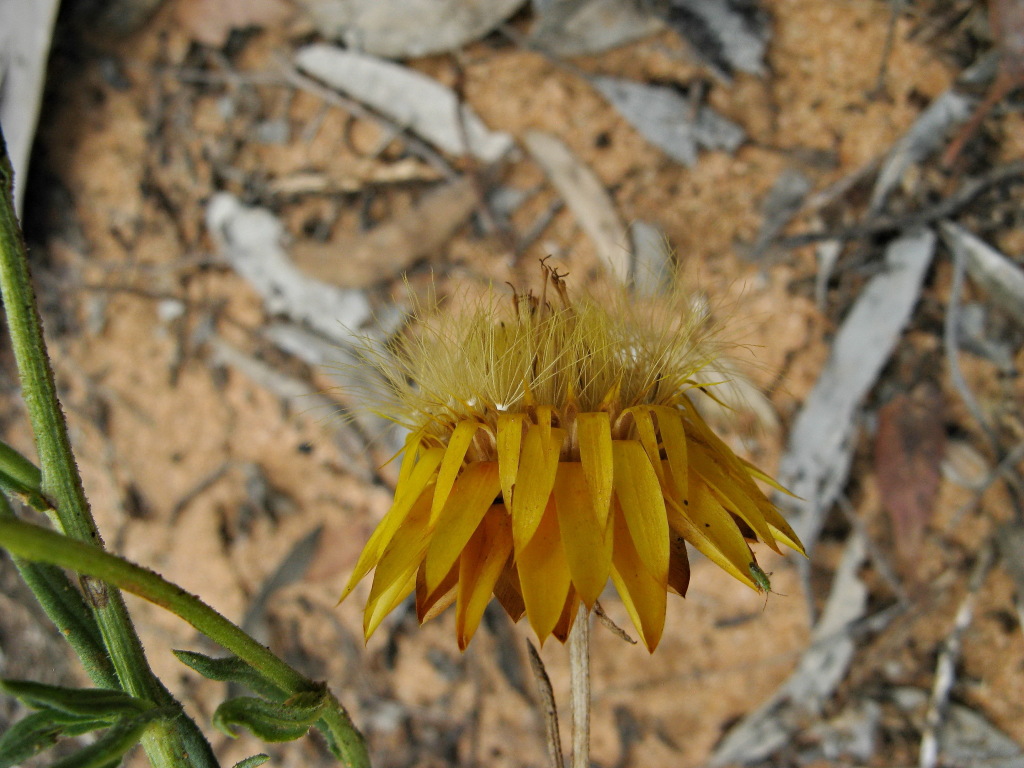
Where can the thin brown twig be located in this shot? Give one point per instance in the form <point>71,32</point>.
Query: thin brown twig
<point>895,6</point>
<point>1003,469</point>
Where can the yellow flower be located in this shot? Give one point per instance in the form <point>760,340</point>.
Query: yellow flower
<point>553,444</point>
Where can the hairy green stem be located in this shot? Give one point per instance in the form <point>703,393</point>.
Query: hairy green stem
<point>37,544</point>
<point>165,742</point>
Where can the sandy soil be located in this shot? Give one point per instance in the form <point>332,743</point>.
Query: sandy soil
<point>198,471</point>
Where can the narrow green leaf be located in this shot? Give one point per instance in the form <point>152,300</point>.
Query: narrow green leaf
<point>109,748</point>
<point>252,762</point>
<point>269,720</point>
<point>90,703</point>
<point>41,730</point>
<point>66,608</point>
<point>27,738</point>
<point>230,669</point>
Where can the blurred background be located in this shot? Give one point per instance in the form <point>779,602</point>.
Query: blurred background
<point>218,194</point>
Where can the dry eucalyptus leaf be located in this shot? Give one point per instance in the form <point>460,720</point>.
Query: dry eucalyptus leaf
<point>728,35</point>
<point>909,448</point>
<point>409,98</point>
<point>25,29</point>
<point>817,460</point>
<point>358,261</point>
<point>587,199</point>
<point>993,272</point>
<point>669,121</point>
<point>964,465</point>
<point>575,28</point>
<point>408,28</point>
<point>925,136</point>
<point>251,241</point>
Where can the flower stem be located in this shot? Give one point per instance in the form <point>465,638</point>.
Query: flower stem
<point>37,544</point>
<point>579,682</point>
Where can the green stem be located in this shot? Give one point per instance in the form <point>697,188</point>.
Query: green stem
<point>165,743</point>
<point>38,544</point>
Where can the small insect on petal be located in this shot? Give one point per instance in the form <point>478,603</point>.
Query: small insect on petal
<point>763,582</point>
<point>761,579</point>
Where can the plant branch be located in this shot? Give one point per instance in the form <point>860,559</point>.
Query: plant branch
<point>166,741</point>
<point>35,543</point>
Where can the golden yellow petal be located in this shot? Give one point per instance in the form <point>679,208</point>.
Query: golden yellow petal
<point>480,565</point>
<point>432,604</point>
<point>510,440</point>
<point>780,528</point>
<point>725,482</point>
<point>643,506</point>
<point>544,574</point>
<point>642,594</point>
<point>764,477</point>
<point>473,493</point>
<point>588,545</point>
<point>413,441</point>
<point>544,414</point>
<point>407,494</point>
<point>385,603</point>
<point>594,433</point>
<point>786,535</point>
<point>405,551</point>
<point>395,576</point>
<point>454,455</point>
<point>648,438</point>
<point>729,477</point>
<point>706,524</point>
<point>534,482</point>
<point>673,437</point>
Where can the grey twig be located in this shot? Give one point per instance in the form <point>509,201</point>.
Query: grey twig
<point>887,225</point>
<point>949,655</point>
<point>579,676</point>
<point>951,342</point>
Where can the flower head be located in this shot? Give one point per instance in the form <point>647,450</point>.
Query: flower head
<point>552,445</point>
